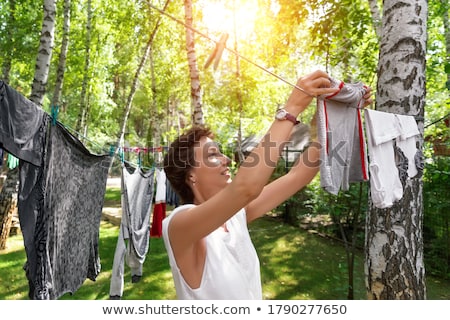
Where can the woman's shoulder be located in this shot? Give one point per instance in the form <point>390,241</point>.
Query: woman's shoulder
<point>182,207</point>
<point>178,210</point>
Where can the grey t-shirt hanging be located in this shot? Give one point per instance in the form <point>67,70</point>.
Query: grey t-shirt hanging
<point>74,197</point>
<point>137,199</point>
<point>61,193</point>
<point>60,204</point>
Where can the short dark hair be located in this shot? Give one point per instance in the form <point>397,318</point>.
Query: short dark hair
<point>179,160</point>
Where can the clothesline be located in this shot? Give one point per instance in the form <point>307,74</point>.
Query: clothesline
<point>228,49</point>
<point>144,149</point>
<point>111,149</point>
<point>438,120</point>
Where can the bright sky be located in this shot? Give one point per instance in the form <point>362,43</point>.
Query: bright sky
<point>219,16</point>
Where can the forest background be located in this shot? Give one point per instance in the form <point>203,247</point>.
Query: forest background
<point>104,99</point>
<point>289,38</point>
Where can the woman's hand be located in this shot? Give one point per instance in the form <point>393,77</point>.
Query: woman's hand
<point>368,97</point>
<point>309,86</point>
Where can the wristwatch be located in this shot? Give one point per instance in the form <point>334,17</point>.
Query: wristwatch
<point>282,114</point>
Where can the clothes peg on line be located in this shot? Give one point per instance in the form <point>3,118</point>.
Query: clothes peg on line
<point>54,114</point>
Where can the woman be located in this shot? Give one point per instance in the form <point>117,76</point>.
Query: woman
<point>207,240</point>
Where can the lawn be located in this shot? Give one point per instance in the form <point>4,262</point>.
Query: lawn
<point>294,265</point>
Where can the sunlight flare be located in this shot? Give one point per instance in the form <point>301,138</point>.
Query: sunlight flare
<point>222,16</point>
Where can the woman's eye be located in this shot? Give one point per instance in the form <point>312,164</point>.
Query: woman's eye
<point>214,157</point>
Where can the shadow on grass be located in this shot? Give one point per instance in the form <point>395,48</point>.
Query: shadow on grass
<point>298,265</point>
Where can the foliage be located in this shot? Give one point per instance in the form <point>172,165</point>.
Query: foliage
<point>347,210</point>
<point>437,218</point>
<point>438,73</point>
<point>342,33</point>
<point>335,35</point>
<point>22,46</point>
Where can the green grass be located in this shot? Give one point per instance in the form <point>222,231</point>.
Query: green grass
<point>299,265</point>
<point>112,197</point>
<point>294,265</point>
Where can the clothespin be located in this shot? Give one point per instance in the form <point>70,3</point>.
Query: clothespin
<point>217,52</point>
<point>55,111</point>
<point>122,158</point>
<point>111,150</point>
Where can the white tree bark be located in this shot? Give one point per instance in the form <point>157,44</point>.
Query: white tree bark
<point>196,90</point>
<point>84,105</point>
<point>62,56</point>
<point>44,52</point>
<point>394,244</point>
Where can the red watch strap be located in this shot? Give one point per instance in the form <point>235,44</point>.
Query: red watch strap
<point>291,118</point>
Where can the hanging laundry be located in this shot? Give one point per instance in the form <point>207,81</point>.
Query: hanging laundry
<point>340,131</point>
<point>159,209</point>
<point>61,193</point>
<point>133,241</point>
<point>60,206</point>
<point>21,125</point>
<point>382,129</point>
<point>172,198</point>
<point>408,159</point>
<point>407,142</point>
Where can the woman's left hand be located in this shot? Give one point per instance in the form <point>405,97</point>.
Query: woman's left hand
<point>368,97</point>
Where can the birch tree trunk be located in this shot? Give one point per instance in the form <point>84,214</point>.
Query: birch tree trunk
<point>62,56</point>
<point>394,245</point>
<point>153,108</point>
<point>44,52</point>
<point>196,90</point>
<point>83,109</point>
<point>238,90</point>
<point>132,92</point>
<point>156,119</point>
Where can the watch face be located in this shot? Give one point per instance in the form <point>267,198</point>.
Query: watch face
<point>281,114</point>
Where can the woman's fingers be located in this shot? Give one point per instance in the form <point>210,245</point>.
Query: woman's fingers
<point>317,83</point>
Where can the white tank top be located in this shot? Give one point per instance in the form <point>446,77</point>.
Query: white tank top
<point>231,268</point>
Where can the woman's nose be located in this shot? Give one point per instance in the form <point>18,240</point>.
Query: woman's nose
<point>227,161</point>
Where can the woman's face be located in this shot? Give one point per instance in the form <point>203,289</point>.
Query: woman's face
<point>210,172</point>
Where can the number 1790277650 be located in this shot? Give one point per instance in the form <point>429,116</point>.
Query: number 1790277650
<point>307,309</point>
